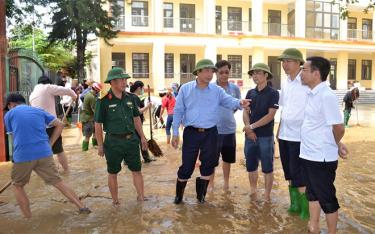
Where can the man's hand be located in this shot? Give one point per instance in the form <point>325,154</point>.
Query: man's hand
<point>161,119</point>
<point>343,150</point>
<point>250,133</point>
<point>100,150</point>
<point>175,140</point>
<point>144,143</point>
<point>245,102</point>
<point>149,105</point>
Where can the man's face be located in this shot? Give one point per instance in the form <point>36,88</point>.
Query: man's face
<point>290,66</point>
<point>206,75</point>
<point>307,75</point>
<point>222,74</point>
<point>259,77</point>
<point>119,84</point>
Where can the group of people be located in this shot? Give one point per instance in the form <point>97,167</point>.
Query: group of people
<point>309,135</point>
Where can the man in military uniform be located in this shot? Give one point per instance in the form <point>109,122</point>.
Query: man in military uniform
<point>119,115</point>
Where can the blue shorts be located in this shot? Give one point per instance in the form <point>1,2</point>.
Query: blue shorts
<point>262,149</point>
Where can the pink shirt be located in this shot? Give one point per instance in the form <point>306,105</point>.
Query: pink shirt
<point>169,102</point>
<point>43,96</point>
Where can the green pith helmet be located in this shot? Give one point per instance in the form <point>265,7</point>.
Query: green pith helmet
<point>261,66</point>
<point>116,73</point>
<point>292,53</point>
<point>203,63</point>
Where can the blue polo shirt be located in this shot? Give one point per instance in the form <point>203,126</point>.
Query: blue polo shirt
<point>227,123</point>
<point>261,101</point>
<point>28,126</point>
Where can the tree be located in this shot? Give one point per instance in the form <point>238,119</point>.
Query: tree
<point>54,57</point>
<point>73,21</point>
<point>344,9</point>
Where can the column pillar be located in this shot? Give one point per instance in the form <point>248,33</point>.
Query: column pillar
<point>158,79</point>
<point>157,15</point>
<point>257,23</point>
<point>372,72</point>
<point>105,55</point>
<point>342,70</point>
<point>209,16</point>
<point>300,18</point>
<point>210,52</point>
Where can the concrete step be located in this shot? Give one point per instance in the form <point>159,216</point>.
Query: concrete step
<point>365,96</point>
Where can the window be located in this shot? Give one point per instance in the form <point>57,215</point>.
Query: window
<point>250,19</point>
<point>168,15</point>
<point>234,19</point>
<point>168,66</point>
<point>322,19</point>
<point>218,15</point>
<point>140,65</point>
<point>352,63</point>
<point>352,28</point>
<point>236,62</point>
<point>118,60</point>
<point>291,19</point>
<point>366,69</point>
<point>140,13</point>
<point>187,18</point>
<point>118,9</point>
<point>366,29</point>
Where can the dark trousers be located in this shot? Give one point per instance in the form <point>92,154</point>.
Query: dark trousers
<point>202,142</point>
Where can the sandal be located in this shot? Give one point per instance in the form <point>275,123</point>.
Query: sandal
<point>84,210</point>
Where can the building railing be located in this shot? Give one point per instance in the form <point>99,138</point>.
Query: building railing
<point>191,25</point>
<point>323,33</point>
<point>278,29</point>
<point>120,23</point>
<point>232,26</point>
<point>360,35</point>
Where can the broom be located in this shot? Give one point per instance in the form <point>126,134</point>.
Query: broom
<point>5,186</point>
<point>152,144</point>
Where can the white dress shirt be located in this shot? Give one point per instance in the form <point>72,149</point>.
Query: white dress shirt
<point>322,111</point>
<point>293,99</point>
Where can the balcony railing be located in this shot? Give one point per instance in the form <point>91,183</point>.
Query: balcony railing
<point>120,23</point>
<point>174,25</point>
<point>360,35</point>
<point>323,33</point>
<point>233,27</point>
<point>276,29</point>
<point>139,20</point>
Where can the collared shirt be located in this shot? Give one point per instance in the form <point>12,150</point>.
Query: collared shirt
<point>293,99</point>
<point>28,126</point>
<point>261,102</point>
<point>227,123</point>
<point>317,139</point>
<point>199,108</point>
<point>117,114</point>
<point>43,96</point>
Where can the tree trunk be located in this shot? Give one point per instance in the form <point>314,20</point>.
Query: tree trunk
<point>81,47</point>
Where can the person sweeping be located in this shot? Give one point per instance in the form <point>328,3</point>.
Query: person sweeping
<point>348,100</point>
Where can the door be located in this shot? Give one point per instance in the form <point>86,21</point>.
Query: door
<point>187,64</point>
<point>275,67</point>
<point>274,23</point>
<point>333,74</point>
<point>187,18</point>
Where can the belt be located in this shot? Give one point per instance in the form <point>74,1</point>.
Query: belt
<point>200,129</point>
<point>120,135</point>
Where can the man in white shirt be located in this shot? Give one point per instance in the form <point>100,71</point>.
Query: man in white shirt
<point>43,96</point>
<point>293,99</point>
<point>321,133</point>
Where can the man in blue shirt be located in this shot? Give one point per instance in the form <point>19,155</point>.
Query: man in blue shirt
<point>226,127</point>
<point>32,150</point>
<point>259,122</point>
<point>197,108</point>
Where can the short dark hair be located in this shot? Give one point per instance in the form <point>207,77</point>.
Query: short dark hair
<point>15,98</point>
<point>44,80</point>
<point>136,85</point>
<point>321,64</point>
<point>223,63</point>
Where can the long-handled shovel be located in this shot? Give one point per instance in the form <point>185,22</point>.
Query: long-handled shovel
<point>5,186</point>
<point>152,144</point>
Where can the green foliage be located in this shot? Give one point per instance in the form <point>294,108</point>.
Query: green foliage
<point>54,57</point>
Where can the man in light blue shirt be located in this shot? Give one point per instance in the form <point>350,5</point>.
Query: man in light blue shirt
<point>197,108</point>
<point>226,145</point>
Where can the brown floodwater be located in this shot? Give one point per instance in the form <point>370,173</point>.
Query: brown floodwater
<point>224,212</point>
